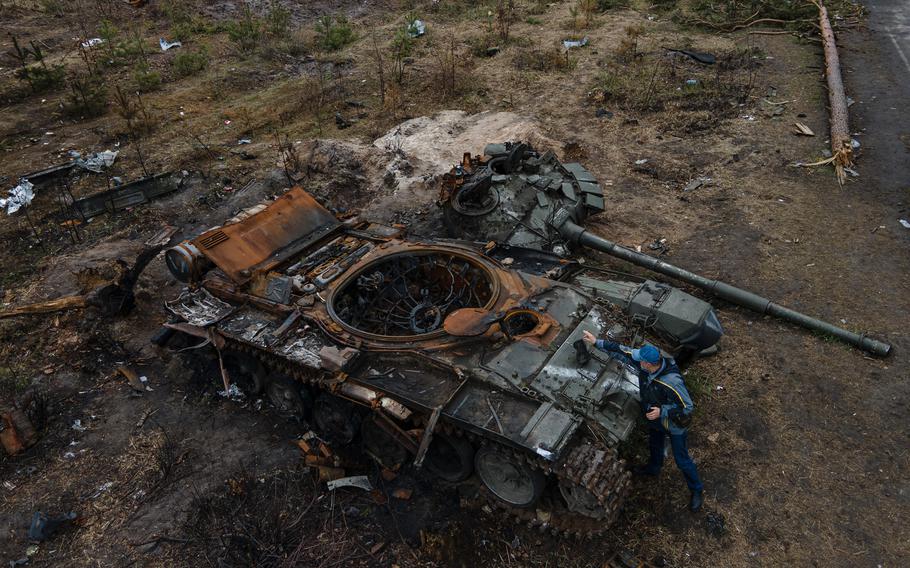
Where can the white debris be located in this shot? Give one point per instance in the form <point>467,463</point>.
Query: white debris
<point>98,161</point>
<point>359,481</point>
<point>166,45</point>
<point>77,425</point>
<point>570,43</point>
<point>92,42</point>
<point>20,196</point>
<point>905,223</point>
<point>101,489</point>
<point>417,28</point>
<point>545,454</point>
<point>234,393</point>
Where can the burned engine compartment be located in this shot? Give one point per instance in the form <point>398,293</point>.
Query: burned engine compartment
<point>408,295</point>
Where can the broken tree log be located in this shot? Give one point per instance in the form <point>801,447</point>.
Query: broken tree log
<point>841,143</point>
<point>114,298</point>
<point>56,305</point>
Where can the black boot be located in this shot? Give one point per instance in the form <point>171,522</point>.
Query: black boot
<point>696,501</point>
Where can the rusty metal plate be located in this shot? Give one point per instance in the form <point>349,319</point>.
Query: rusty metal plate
<point>468,322</point>
<point>288,225</point>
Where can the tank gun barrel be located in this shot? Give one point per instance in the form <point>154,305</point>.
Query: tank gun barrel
<point>576,234</point>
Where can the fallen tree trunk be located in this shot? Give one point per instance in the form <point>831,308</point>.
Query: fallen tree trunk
<point>59,304</point>
<point>841,143</point>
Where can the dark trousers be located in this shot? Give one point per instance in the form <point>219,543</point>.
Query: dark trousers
<point>680,454</point>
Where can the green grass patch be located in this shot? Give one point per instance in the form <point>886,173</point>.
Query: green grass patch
<point>189,62</point>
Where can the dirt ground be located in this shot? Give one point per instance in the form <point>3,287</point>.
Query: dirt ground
<point>801,441</point>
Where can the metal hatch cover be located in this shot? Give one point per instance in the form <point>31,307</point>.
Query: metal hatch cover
<point>288,225</point>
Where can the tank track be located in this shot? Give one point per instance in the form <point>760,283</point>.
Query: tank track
<point>589,464</point>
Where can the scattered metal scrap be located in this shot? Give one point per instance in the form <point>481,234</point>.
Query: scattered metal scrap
<point>358,481</point>
<point>162,237</point>
<point>97,162</point>
<point>128,195</point>
<point>42,176</point>
<point>317,454</point>
<point>18,197</point>
<point>17,433</point>
<point>701,57</point>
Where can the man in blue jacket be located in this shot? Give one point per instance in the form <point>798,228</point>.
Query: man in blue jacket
<point>666,404</point>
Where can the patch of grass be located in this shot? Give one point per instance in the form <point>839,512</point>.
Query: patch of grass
<point>88,96</point>
<point>278,22</point>
<point>533,20</point>
<point>184,23</point>
<point>740,58</point>
<point>720,15</point>
<point>537,7</point>
<point>692,96</point>
<point>146,80</point>
<point>483,45</point>
<point>246,31</point>
<point>664,5</point>
<point>13,382</point>
<point>698,384</point>
<point>467,10</point>
<point>54,7</point>
<point>334,32</point>
<point>188,62</point>
<point>543,60</point>
<point>628,45</point>
<point>604,5</point>
<point>40,76</point>
<point>194,27</point>
<point>401,47</point>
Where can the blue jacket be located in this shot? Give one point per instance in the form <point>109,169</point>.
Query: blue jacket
<point>665,389</point>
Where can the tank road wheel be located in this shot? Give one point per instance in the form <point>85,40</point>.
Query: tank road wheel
<point>289,397</point>
<point>380,444</point>
<point>512,481</point>
<point>580,500</point>
<point>247,372</point>
<point>450,458</point>
<point>336,419</point>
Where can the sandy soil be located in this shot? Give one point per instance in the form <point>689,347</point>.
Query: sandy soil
<point>802,442</point>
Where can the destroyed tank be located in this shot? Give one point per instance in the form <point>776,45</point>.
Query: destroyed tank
<point>463,356</point>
